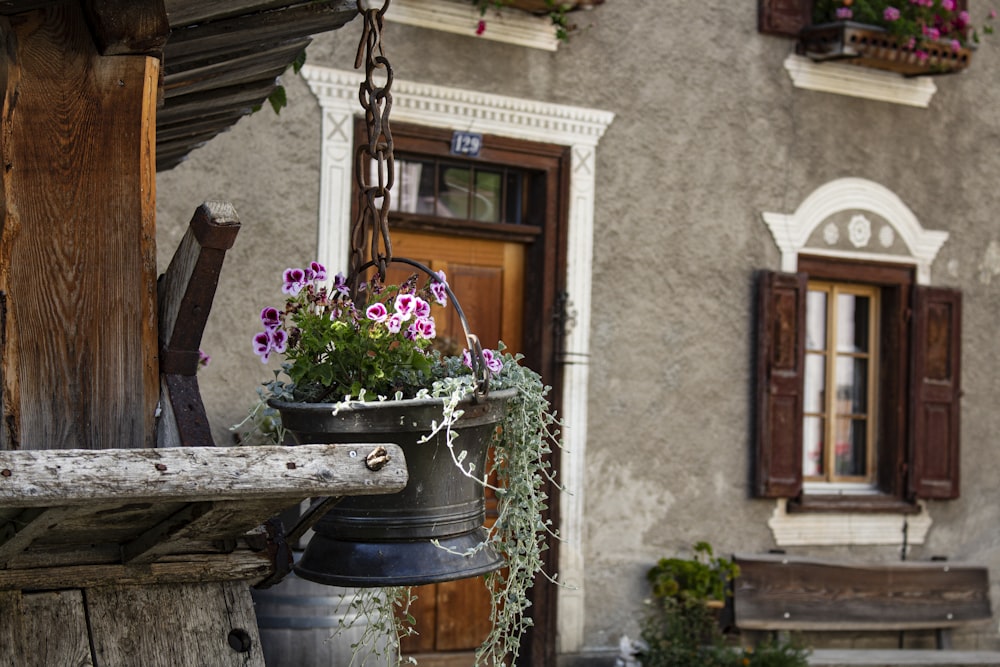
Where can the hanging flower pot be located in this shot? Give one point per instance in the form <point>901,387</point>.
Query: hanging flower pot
<point>876,48</point>
<point>420,534</point>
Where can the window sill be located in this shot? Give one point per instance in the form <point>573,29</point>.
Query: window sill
<point>855,81</point>
<point>872,503</point>
<point>847,525</point>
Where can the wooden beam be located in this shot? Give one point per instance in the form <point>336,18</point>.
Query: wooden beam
<point>28,526</point>
<point>79,366</point>
<point>124,27</point>
<point>241,565</point>
<point>194,474</point>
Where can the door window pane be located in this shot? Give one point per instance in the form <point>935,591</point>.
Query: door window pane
<point>816,320</point>
<point>850,449</point>
<point>815,387</point>
<point>852,386</point>
<point>812,440</point>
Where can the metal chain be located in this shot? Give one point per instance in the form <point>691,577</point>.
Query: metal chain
<point>372,224</point>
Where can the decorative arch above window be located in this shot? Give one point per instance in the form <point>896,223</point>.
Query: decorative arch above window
<point>854,218</point>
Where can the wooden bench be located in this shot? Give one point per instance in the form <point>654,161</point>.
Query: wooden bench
<point>780,593</point>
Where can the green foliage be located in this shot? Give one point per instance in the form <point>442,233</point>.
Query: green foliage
<point>702,577</point>
<point>681,628</point>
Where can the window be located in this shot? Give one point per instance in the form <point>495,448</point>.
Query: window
<point>858,384</point>
<point>840,367</point>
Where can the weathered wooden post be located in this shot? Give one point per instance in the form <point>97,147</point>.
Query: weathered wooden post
<point>139,547</point>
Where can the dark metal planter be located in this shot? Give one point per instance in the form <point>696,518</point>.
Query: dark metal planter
<point>385,540</point>
<point>875,48</point>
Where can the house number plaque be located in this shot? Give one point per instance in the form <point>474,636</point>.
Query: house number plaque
<point>466,143</point>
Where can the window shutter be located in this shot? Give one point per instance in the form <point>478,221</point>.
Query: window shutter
<point>783,17</point>
<point>934,392</point>
<point>781,317</point>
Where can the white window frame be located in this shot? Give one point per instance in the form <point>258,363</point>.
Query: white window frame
<point>530,120</point>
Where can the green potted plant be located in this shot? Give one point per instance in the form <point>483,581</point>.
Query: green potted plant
<point>911,37</point>
<point>360,366</point>
<point>682,626</point>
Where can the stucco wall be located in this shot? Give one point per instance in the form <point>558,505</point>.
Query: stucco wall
<point>708,133</point>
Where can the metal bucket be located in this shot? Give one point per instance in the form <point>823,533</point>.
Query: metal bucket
<point>300,624</point>
<point>386,540</point>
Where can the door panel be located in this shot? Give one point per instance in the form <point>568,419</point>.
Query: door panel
<point>487,278</point>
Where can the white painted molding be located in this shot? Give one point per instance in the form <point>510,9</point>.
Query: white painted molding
<point>855,81</point>
<point>461,17</point>
<point>846,529</point>
<point>457,109</point>
<point>792,232</point>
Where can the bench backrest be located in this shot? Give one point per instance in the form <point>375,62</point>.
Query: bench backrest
<point>779,592</point>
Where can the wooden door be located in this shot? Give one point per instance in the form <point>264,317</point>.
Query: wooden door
<point>487,278</point>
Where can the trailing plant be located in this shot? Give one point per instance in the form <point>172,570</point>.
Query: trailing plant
<point>912,21</point>
<point>681,627</point>
<point>378,345</point>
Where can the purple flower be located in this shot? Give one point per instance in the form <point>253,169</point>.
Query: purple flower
<point>340,284</point>
<point>844,13</point>
<point>890,14</point>
<point>394,323</point>
<point>319,270</point>
<point>405,304</point>
<point>270,318</point>
<point>279,340</point>
<point>424,327</point>
<point>294,281</point>
<point>466,359</point>
<point>203,359</point>
<point>377,312</point>
<point>493,361</point>
<point>262,346</point>
<point>439,288</point>
<point>411,332</point>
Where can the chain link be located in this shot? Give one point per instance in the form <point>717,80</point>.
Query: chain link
<point>371,227</point>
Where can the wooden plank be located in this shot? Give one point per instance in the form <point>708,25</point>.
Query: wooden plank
<point>79,365</point>
<point>192,624</point>
<point>12,645</point>
<point>175,132</point>
<point>251,66</point>
<point>186,12</point>
<point>257,30</point>
<point>240,565</point>
<point>776,592</point>
<point>192,474</point>
<point>56,624</point>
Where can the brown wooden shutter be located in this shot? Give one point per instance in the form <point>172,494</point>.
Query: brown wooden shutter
<point>934,393</point>
<point>783,17</point>
<point>781,318</point>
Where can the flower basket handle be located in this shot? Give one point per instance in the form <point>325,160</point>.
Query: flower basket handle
<point>480,371</point>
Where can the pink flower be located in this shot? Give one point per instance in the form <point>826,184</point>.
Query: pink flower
<point>844,13</point>
<point>421,308</point>
<point>891,14</point>
<point>956,45</point>
<point>932,34</point>
<point>948,5</point>
<point>377,312</point>
<point>267,342</point>
<point>439,288</point>
<point>405,304</point>
<point>922,56</point>
<point>993,13</point>
<point>394,323</point>
<point>424,327</point>
<point>480,27</point>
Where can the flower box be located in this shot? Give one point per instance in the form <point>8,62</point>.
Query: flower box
<point>874,47</point>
